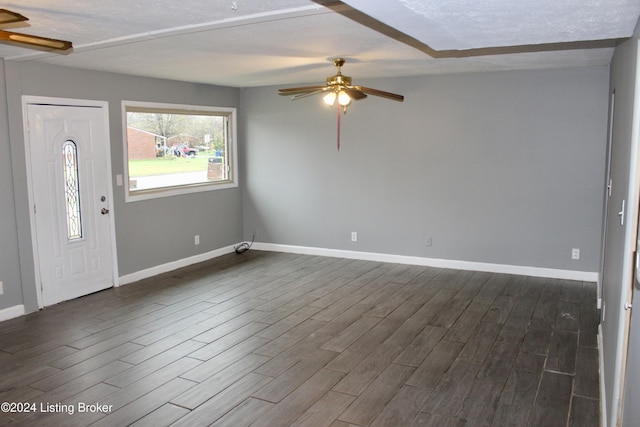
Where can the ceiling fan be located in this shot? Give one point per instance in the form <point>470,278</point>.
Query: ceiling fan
<point>9,17</point>
<point>339,88</point>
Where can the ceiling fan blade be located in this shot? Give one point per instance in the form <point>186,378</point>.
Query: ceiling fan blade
<point>35,40</point>
<point>302,89</point>
<point>355,93</point>
<point>9,17</point>
<point>309,93</point>
<point>377,92</point>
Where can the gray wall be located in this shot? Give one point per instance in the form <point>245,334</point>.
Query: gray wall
<point>149,233</point>
<point>503,167</point>
<point>9,256</point>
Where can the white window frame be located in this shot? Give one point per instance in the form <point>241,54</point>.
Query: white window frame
<point>230,182</point>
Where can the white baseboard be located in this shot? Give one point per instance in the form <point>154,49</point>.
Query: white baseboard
<point>367,256</point>
<point>603,396</point>
<point>174,265</point>
<point>551,273</point>
<point>11,312</point>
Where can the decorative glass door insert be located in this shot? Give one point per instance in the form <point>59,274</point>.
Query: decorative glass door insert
<point>71,190</point>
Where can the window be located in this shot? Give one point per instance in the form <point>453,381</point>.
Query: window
<point>177,149</point>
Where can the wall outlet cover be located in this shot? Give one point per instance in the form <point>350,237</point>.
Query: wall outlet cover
<point>575,253</point>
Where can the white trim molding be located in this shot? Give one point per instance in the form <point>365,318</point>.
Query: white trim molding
<point>603,395</point>
<point>11,312</point>
<point>550,273</point>
<point>366,256</point>
<point>174,265</point>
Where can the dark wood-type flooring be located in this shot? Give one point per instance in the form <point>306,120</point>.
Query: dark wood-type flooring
<point>271,339</point>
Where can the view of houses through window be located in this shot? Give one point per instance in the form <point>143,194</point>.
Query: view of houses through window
<point>173,147</point>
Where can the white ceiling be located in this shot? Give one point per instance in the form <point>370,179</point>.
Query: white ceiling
<point>245,43</point>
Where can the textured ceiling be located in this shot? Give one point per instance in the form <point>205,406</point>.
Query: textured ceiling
<point>252,43</point>
<point>469,24</point>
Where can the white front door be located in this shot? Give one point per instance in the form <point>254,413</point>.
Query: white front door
<point>69,187</point>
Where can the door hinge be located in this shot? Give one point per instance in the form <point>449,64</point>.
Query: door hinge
<point>34,209</point>
<point>628,306</point>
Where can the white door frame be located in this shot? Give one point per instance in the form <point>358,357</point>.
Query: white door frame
<point>104,107</point>
<point>607,196</point>
<point>632,213</point>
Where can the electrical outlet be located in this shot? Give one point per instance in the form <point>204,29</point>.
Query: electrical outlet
<point>196,239</point>
<point>428,241</point>
<point>354,236</point>
<point>1,288</point>
<point>575,253</point>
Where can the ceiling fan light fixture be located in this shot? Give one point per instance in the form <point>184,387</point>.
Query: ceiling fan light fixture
<point>343,98</point>
<point>339,87</point>
<point>330,98</point>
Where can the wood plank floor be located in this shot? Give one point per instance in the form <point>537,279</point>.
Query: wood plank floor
<point>271,339</point>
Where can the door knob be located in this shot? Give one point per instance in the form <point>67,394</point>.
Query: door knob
<point>104,211</point>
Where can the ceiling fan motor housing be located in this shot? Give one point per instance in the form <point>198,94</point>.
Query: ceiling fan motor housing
<point>339,80</point>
